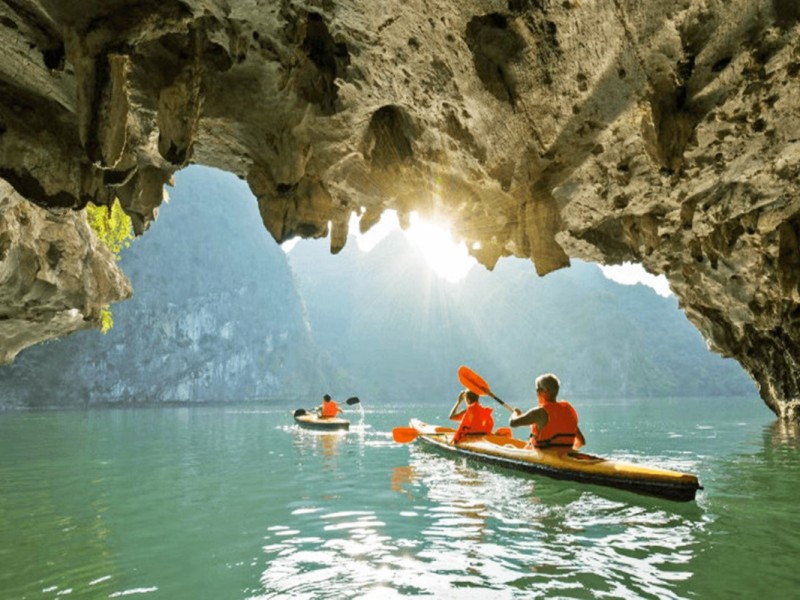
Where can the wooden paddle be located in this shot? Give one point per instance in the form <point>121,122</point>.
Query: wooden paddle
<point>475,383</point>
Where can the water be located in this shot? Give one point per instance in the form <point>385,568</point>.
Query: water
<point>234,502</point>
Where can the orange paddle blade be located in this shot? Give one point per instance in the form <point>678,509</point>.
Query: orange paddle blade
<point>472,381</point>
<point>404,435</point>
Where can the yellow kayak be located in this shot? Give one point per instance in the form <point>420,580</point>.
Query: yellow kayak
<point>562,463</point>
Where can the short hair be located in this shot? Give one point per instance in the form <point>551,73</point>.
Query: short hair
<point>326,397</point>
<point>470,396</point>
<point>549,384</point>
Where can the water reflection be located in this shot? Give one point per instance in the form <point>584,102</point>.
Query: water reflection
<point>783,433</point>
<point>312,443</point>
<point>449,528</point>
<point>224,504</point>
<point>402,477</point>
<point>526,536</point>
<point>750,518</point>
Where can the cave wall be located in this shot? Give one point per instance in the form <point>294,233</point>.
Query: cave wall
<point>55,277</point>
<point>663,132</point>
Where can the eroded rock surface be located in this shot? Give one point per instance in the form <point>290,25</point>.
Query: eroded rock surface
<point>661,132</point>
<point>55,276</point>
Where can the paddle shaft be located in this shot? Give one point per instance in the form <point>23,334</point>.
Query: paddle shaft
<point>510,408</point>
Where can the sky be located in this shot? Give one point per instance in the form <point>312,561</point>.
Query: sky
<point>452,261</point>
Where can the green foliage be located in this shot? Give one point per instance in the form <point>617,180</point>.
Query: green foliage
<point>106,321</point>
<point>113,228</point>
<point>111,224</point>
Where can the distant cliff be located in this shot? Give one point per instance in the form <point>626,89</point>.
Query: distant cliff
<point>218,314</point>
<point>402,332</point>
<point>215,315</point>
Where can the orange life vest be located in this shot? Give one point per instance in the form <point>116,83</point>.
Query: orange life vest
<point>561,428</point>
<point>329,409</point>
<point>477,419</point>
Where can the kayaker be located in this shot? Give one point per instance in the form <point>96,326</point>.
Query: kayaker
<point>474,419</point>
<point>328,409</point>
<point>553,423</point>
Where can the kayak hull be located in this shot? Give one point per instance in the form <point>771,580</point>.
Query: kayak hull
<point>564,464</point>
<point>312,421</point>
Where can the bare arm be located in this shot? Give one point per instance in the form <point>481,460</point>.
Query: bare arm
<point>579,440</point>
<point>537,416</point>
<point>455,415</point>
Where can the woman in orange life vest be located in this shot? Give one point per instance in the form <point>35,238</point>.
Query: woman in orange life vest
<point>328,409</point>
<point>553,424</point>
<point>474,419</point>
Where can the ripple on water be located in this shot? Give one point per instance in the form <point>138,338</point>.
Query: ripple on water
<point>205,503</point>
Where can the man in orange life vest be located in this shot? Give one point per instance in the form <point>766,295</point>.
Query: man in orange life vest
<point>474,419</point>
<point>553,424</point>
<point>328,409</point>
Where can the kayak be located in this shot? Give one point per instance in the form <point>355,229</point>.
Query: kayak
<point>562,463</point>
<point>312,421</point>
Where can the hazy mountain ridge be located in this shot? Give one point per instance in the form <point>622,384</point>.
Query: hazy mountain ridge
<point>403,332</point>
<point>220,314</point>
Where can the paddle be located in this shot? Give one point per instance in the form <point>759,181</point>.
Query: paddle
<point>351,401</point>
<point>475,383</point>
<point>404,435</point>
<point>470,380</point>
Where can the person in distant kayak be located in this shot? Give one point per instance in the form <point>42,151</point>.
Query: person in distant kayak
<point>553,423</point>
<point>474,419</point>
<point>328,409</point>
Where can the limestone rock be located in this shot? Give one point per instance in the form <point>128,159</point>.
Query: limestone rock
<point>55,276</point>
<point>661,132</point>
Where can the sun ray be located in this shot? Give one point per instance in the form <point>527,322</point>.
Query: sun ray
<point>448,259</point>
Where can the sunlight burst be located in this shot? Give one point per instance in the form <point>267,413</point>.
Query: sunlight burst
<point>446,258</point>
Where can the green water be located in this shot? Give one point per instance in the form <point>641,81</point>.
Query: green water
<point>235,502</point>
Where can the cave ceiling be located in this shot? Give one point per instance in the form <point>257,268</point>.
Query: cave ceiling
<point>665,133</point>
